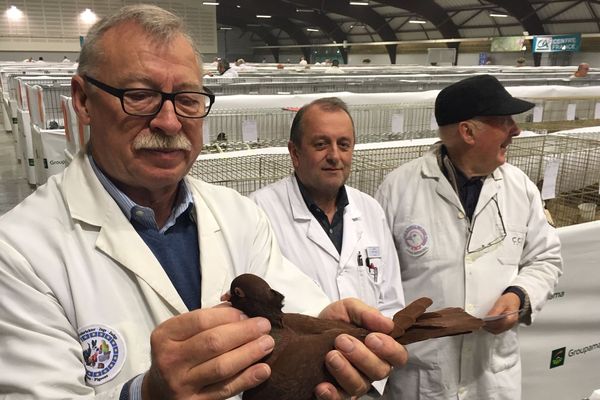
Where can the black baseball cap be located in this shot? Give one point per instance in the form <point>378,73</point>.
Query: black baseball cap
<point>477,96</point>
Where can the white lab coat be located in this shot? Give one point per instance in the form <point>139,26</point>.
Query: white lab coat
<point>230,73</point>
<point>431,234</point>
<point>304,242</point>
<point>69,258</point>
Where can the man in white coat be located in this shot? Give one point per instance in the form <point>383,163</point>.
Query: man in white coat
<point>334,233</point>
<point>471,232</point>
<point>109,272</point>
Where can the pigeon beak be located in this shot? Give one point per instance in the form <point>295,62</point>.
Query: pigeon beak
<point>226,296</point>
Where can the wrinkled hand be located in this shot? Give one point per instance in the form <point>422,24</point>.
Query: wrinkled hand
<point>207,354</point>
<point>353,364</point>
<point>506,304</point>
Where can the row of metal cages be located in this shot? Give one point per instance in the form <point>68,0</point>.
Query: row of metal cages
<point>365,84</point>
<point>38,112</point>
<point>236,129</point>
<point>576,158</point>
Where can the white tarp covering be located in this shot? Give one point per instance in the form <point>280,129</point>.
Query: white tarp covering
<point>561,350</point>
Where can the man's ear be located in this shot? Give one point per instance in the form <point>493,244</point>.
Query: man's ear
<point>80,98</point>
<point>466,130</point>
<point>293,153</point>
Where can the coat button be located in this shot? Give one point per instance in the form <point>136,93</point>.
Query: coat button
<point>461,215</point>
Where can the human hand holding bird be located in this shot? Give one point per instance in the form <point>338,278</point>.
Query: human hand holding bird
<point>301,342</point>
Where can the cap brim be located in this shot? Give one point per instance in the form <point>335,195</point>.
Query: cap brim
<point>511,107</point>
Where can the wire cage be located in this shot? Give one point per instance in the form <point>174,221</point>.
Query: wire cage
<point>576,186</point>
<point>372,123</point>
<point>245,173</point>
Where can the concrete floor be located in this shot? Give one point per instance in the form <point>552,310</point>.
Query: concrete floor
<point>13,184</point>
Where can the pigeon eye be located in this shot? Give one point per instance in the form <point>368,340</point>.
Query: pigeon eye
<point>239,292</point>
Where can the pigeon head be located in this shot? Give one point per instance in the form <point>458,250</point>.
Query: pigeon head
<point>253,296</point>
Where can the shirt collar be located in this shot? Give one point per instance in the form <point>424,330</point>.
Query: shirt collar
<point>144,215</point>
<point>341,200</point>
<point>455,176</point>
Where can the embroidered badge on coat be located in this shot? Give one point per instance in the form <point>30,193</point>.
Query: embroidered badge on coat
<point>416,240</point>
<point>103,352</point>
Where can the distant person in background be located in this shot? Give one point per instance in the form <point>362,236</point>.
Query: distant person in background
<point>66,59</point>
<point>40,59</point>
<point>520,61</point>
<point>303,61</point>
<point>30,59</point>
<point>582,70</point>
<point>225,70</point>
<point>334,68</point>
<point>241,66</point>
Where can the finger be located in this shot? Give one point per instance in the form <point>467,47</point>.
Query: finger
<point>346,375</point>
<point>216,341</point>
<point>189,324</point>
<point>247,379</point>
<point>327,391</point>
<point>501,325</point>
<point>357,312</point>
<point>386,348</point>
<point>362,359</point>
<point>374,321</point>
<point>232,363</point>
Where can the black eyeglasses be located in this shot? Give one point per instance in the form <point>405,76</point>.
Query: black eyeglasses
<point>495,230</point>
<point>148,102</point>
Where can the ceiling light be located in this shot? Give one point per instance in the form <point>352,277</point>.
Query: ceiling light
<point>14,14</point>
<point>88,16</point>
<point>225,28</point>
<point>416,21</point>
<point>359,3</point>
<point>498,15</point>
<point>304,10</point>
<point>312,30</point>
<point>262,16</point>
<point>210,3</point>
<point>238,6</point>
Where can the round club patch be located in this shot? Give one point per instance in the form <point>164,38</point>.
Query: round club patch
<point>416,240</point>
<point>103,353</point>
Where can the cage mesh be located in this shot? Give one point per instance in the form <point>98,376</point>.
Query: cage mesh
<point>576,183</point>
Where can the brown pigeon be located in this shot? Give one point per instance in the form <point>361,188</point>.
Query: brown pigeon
<point>301,342</point>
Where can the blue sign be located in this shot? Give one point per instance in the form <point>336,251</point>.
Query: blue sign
<point>556,43</point>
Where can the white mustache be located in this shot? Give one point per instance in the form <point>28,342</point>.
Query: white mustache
<point>157,141</point>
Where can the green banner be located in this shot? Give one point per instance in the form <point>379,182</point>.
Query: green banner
<point>556,43</point>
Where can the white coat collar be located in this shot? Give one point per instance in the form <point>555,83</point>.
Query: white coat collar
<point>88,202</point>
<point>302,215</point>
<point>431,169</point>
<point>215,278</point>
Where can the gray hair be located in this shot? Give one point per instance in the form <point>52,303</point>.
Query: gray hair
<point>160,24</point>
<point>330,104</point>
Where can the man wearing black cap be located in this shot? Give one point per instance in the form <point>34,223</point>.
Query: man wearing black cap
<point>470,232</point>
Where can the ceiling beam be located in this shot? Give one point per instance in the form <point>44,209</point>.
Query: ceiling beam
<point>363,14</point>
<point>286,14</point>
<point>432,12</point>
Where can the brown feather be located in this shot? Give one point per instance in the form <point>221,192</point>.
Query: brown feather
<point>301,342</point>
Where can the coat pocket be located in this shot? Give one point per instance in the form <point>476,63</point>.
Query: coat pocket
<point>505,351</point>
<point>512,245</point>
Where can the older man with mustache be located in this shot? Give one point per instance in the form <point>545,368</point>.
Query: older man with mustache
<point>109,272</point>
